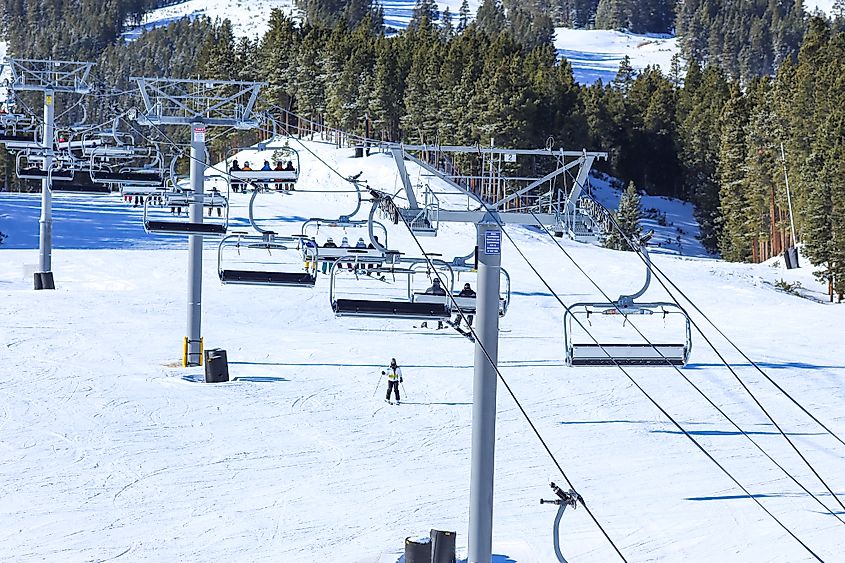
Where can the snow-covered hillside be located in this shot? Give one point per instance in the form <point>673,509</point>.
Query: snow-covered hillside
<point>250,18</point>
<point>593,54</point>
<point>596,53</point>
<point>108,450</point>
<point>824,6</point>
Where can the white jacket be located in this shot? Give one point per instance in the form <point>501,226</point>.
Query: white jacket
<point>393,375</point>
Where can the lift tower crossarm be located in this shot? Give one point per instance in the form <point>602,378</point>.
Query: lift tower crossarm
<point>48,75</point>
<point>175,101</point>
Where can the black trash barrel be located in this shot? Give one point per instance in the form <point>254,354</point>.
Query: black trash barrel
<point>216,366</point>
<point>790,256</point>
<point>417,550</point>
<point>44,280</point>
<point>442,547</point>
<point>359,152</point>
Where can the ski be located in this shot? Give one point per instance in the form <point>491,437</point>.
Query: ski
<point>465,333</point>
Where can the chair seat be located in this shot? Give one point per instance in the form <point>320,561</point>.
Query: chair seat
<point>628,354</point>
<point>390,309</point>
<point>250,277</point>
<point>186,228</point>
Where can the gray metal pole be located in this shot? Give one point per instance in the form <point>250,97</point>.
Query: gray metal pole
<point>484,393</point>
<point>194,356</point>
<point>45,235</point>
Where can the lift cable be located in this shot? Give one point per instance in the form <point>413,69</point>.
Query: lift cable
<point>656,404</point>
<point>730,368</point>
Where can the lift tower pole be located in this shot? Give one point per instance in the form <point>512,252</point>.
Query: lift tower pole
<point>484,391</point>
<point>199,104</point>
<point>50,77</point>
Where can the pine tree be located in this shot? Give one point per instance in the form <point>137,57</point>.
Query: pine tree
<point>463,16</point>
<point>426,15</point>
<point>490,17</point>
<point>613,14</point>
<point>735,236</point>
<point>628,218</point>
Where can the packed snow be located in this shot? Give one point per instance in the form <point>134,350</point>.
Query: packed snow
<point>109,449</point>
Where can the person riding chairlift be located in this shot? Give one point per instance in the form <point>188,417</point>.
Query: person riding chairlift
<point>329,244</point>
<point>236,185</point>
<point>467,291</point>
<point>280,168</point>
<point>435,289</point>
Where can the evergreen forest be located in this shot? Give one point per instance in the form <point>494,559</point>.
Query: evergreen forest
<point>759,80</point>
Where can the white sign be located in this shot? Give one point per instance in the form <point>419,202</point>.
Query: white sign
<point>510,158</point>
<point>199,134</point>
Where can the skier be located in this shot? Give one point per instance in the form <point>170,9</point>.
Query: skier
<point>235,184</point>
<point>467,291</point>
<point>394,378</point>
<point>435,289</point>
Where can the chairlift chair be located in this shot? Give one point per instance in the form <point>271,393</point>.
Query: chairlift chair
<point>269,272</point>
<point>389,291</point>
<point>61,168</point>
<point>126,164</point>
<point>625,346</point>
<point>467,305</point>
<point>264,178</point>
<point>16,134</point>
<point>331,254</point>
<point>216,227</point>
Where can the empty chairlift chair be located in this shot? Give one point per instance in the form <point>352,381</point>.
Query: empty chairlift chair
<point>627,333</point>
<point>266,259</point>
<point>395,290</point>
<point>18,132</point>
<point>30,166</point>
<point>157,220</point>
<point>126,164</point>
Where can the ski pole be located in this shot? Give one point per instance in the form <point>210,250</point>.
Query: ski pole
<point>403,389</point>
<point>378,384</point>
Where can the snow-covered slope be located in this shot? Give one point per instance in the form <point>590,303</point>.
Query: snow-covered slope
<point>596,54</point>
<point>249,18</point>
<point>107,450</point>
<point>825,6</point>
<point>593,54</point>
